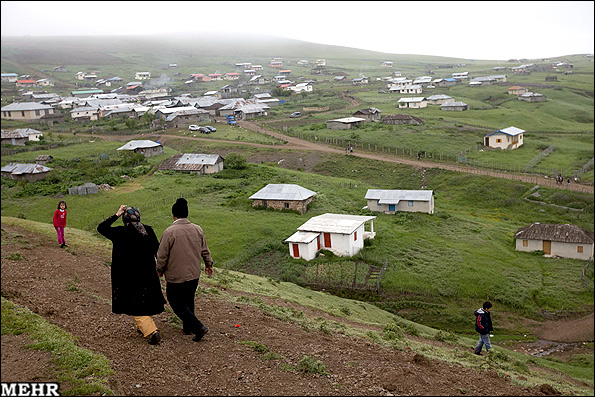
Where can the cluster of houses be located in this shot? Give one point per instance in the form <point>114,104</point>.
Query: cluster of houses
<point>523,94</point>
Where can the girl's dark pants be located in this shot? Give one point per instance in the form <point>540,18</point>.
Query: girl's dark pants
<point>181,299</point>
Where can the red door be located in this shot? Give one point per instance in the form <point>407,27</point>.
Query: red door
<point>318,242</point>
<point>296,251</point>
<point>327,240</point>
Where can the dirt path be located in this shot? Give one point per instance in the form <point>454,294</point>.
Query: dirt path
<point>301,144</point>
<point>219,365</point>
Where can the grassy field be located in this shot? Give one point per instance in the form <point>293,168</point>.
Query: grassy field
<point>472,228</point>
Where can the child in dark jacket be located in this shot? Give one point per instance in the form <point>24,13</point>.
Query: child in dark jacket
<point>60,222</point>
<point>483,326</point>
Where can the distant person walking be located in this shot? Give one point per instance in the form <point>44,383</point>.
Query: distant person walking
<point>483,326</point>
<point>136,289</point>
<point>182,246</point>
<point>60,223</point>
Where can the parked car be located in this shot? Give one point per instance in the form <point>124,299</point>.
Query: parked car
<point>204,130</point>
<point>193,127</point>
<point>295,114</point>
<point>212,129</point>
<point>381,92</point>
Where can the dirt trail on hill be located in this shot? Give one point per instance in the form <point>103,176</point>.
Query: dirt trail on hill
<point>71,289</point>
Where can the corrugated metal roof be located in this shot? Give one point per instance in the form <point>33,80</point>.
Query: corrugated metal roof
<point>512,131</point>
<point>438,97</point>
<point>197,158</point>
<point>450,104</point>
<point>283,191</point>
<point>394,196</point>
<point>335,223</point>
<point>412,99</point>
<point>139,144</point>
<point>16,168</point>
<point>548,231</point>
<point>20,106</point>
<point>349,120</point>
<point>302,237</point>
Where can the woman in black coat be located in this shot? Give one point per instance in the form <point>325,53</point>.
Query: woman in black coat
<point>136,289</point>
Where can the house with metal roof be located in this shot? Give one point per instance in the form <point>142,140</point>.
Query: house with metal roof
<point>146,147</point>
<point>412,103</point>
<point>532,97</point>
<point>9,77</point>
<point>27,111</point>
<point>393,201</point>
<point>454,106</point>
<point>439,99</point>
<point>370,114</point>
<point>283,196</point>
<point>506,138</point>
<point>27,172</point>
<point>341,234</point>
<point>517,90</point>
<point>345,123</point>
<point>196,163</point>
<point>567,241</point>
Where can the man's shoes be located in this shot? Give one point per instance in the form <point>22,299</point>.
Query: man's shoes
<point>201,332</point>
<point>478,353</point>
<point>187,332</point>
<point>154,338</point>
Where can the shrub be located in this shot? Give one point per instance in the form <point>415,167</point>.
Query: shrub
<point>311,365</point>
<point>235,161</point>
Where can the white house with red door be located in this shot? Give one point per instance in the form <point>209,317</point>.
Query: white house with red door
<point>341,234</point>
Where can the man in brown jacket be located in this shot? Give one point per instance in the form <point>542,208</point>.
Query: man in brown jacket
<point>182,246</point>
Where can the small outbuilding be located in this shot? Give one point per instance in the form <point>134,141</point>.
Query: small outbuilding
<point>393,201</point>
<point>283,196</point>
<point>344,123</point>
<point>412,103</point>
<point>454,106</point>
<point>26,172</point>
<point>506,138</point>
<point>194,163</point>
<point>370,114</point>
<point>567,241</point>
<point>146,147</point>
<point>341,234</point>
<point>397,119</point>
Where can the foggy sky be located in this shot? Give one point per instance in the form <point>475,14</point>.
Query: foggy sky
<point>476,30</point>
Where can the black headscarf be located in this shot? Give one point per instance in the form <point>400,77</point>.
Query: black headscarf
<point>131,217</point>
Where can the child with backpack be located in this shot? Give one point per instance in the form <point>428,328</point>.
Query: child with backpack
<point>483,326</point>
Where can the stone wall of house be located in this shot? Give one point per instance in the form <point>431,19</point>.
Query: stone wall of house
<point>300,206</point>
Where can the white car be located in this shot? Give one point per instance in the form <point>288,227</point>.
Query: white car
<point>193,127</point>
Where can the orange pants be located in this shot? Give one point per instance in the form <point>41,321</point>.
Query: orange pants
<point>145,324</point>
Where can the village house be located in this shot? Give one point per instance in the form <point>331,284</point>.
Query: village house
<point>302,87</point>
<point>85,93</point>
<point>400,119</point>
<point>9,77</point>
<point>32,134</point>
<point>393,201</point>
<point>45,83</point>
<point>456,106</point>
<point>231,76</point>
<point>412,103</point>
<point>423,80</point>
<point>507,138</point>
<point>27,111</point>
<point>483,80</point>
<point>517,90</point>
<point>257,67</point>
<point>460,76</point>
<point>386,64</point>
<point>25,172</point>
<point>146,147</point>
<point>184,118</point>
<point>343,235</point>
<point>60,69</point>
<point>256,79</point>
<point>85,113</point>
<point>532,97</point>
<point>283,197</point>
<point>370,114</point>
<point>360,81</point>
<point>447,82</point>
<point>142,76</point>
<point>344,123</point>
<point>13,138</point>
<point>408,89</point>
<point>567,241</point>
<point>195,163</point>
<point>216,76</point>
<point>439,99</point>
<point>26,83</point>
<point>399,82</point>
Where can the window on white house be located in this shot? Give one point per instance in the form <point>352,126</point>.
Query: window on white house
<point>579,249</point>
<point>525,243</point>
<point>410,203</point>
